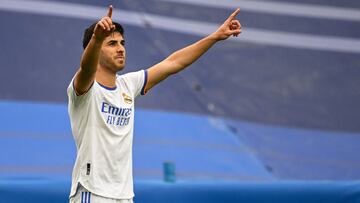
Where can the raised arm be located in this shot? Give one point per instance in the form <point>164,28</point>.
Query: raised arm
<point>85,76</point>
<point>182,58</point>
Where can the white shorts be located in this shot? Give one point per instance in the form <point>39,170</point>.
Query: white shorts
<point>84,196</point>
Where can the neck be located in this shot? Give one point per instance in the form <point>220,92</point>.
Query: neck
<point>106,77</point>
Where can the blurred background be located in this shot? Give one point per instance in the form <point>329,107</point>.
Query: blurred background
<point>273,112</point>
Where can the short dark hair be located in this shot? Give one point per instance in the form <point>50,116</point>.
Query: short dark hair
<point>90,30</point>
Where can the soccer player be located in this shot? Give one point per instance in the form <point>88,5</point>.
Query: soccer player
<point>101,107</point>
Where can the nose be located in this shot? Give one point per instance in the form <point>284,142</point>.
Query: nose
<point>120,49</point>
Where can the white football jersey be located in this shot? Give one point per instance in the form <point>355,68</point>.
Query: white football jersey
<point>102,122</point>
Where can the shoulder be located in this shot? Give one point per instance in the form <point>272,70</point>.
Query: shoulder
<point>132,77</point>
<point>134,80</point>
<point>138,73</point>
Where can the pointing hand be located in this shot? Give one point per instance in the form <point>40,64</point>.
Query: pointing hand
<point>105,26</point>
<point>231,26</point>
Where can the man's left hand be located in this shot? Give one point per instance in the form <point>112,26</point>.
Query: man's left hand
<point>230,27</point>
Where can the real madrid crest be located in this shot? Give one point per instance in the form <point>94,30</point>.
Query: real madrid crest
<point>127,98</point>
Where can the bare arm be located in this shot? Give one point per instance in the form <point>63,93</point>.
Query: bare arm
<point>182,58</point>
<point>85,76</point>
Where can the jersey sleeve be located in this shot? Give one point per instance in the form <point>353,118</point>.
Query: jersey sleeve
<point>137,82</point>
<point>76,99</point>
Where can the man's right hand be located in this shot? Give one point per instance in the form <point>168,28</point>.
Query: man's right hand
<point>85,76</point>
<point>105,26</point>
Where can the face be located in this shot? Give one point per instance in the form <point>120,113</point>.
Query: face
<point>112,54</point>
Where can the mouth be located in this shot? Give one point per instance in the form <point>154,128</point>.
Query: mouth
<point>120,58</point>
<point>119,55</point>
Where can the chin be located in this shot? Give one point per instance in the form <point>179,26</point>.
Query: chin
<point>120,68</point>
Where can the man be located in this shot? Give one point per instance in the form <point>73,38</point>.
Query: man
<point>101,107</point>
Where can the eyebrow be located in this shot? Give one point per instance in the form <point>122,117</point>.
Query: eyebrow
<point>114,41</point>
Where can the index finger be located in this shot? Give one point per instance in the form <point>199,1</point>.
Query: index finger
<point>234,14</point>
<point>109,14</point>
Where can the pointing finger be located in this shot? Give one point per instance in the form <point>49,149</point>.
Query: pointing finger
<point>234,14</point>
<point>109,14</point>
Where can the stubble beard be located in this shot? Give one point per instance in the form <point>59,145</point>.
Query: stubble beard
<point>120,65</point>
<point>114,65</point>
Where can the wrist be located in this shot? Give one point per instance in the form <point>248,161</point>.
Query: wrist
<point>214,36</point>
<point>97,39</point>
